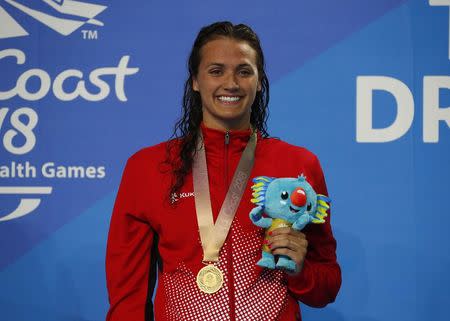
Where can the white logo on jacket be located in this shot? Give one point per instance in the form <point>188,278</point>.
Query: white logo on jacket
<point>175,197</point>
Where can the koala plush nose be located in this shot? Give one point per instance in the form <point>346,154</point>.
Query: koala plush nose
<point>298,197</point>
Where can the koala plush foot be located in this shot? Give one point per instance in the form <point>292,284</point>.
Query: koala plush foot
<point>286,263</point>
<point>267,261</point>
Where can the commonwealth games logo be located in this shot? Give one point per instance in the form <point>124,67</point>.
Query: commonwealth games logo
<point>63,16</point>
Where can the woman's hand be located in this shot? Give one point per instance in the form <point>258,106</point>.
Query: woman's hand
<point>289,242</point>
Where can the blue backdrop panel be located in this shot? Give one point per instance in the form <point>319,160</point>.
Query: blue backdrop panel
<point>105,80</point>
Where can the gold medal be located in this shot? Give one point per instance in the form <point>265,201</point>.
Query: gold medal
<point>209,279</point>
<point>213,235</point>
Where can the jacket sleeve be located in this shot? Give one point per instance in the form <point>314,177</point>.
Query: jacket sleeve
<point>320,279</point>
<point>128,250</point>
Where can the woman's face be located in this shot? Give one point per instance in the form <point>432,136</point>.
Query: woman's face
<point>227,81</point>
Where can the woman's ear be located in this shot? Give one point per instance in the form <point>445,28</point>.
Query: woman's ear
<point>194,84</point>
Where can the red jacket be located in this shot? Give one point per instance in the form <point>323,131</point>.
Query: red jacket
<point>249,292</point>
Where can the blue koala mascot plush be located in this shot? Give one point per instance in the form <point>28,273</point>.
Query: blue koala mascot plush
<point>286,202</point>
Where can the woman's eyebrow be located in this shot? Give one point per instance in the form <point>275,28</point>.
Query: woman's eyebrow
<point>216,64</point>
<point>244,65</point>
<point>223,65</point>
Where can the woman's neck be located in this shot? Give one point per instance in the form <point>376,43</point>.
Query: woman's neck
<point>227,126</point>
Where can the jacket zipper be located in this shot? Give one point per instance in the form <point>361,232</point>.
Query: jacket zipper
<point>227,142</point>
<point>230,257</point>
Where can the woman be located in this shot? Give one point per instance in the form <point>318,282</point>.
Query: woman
<point>197,222</point>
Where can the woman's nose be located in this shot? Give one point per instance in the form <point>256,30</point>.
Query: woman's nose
<point>231,82</point>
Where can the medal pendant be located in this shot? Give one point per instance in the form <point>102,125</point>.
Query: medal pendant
<point>209,279</point>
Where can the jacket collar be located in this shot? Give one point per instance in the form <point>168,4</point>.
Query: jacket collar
<point>220,141</point>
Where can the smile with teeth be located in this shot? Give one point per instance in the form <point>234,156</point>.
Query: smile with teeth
<point>229,99</point>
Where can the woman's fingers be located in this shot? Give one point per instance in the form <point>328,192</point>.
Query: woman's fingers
<point>289,242</point>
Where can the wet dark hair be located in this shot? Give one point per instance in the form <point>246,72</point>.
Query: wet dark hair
<point>187,127</point>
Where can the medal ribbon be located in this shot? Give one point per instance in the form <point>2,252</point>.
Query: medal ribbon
<point>213,235</point>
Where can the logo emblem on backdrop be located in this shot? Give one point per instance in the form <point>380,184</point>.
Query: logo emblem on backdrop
<point>63,16</point>
<point>27,203</point>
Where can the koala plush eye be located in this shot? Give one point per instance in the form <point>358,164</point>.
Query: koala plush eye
<point>284,195</point>
<point>308,208</point>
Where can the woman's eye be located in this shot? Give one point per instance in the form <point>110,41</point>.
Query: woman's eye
<point>284,195</point>
<point>245,72</point>
<point>215,72</point>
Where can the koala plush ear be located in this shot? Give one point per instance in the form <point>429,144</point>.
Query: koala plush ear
<point>259,189</point>
<point>322,208</point>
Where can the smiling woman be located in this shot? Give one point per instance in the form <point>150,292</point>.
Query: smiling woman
<point>227,81</point>
<point>186,202</point>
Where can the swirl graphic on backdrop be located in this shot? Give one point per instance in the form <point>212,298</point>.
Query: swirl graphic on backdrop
<point>27,204</point>
<point>86,12</point>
